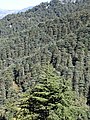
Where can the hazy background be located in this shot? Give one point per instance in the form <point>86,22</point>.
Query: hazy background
<point>19,4</point>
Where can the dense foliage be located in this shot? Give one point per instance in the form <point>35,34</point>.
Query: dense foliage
<point>50,98</point>
<point>57,34</point>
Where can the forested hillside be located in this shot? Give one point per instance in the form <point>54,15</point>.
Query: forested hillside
<point>45,62</point>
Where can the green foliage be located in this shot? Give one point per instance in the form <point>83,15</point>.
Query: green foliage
<point>57,33</point>
<point>50,99</point>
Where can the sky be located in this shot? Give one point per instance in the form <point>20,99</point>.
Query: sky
<point>19,4</point>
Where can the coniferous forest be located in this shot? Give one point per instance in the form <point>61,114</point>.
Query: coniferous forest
<point>45,62</point>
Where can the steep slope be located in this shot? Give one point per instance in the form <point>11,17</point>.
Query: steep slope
<point>54,33</point>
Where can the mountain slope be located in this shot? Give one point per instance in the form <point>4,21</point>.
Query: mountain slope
<point>50,33</point>
<point>3,13</point>
<point>25,9</point>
